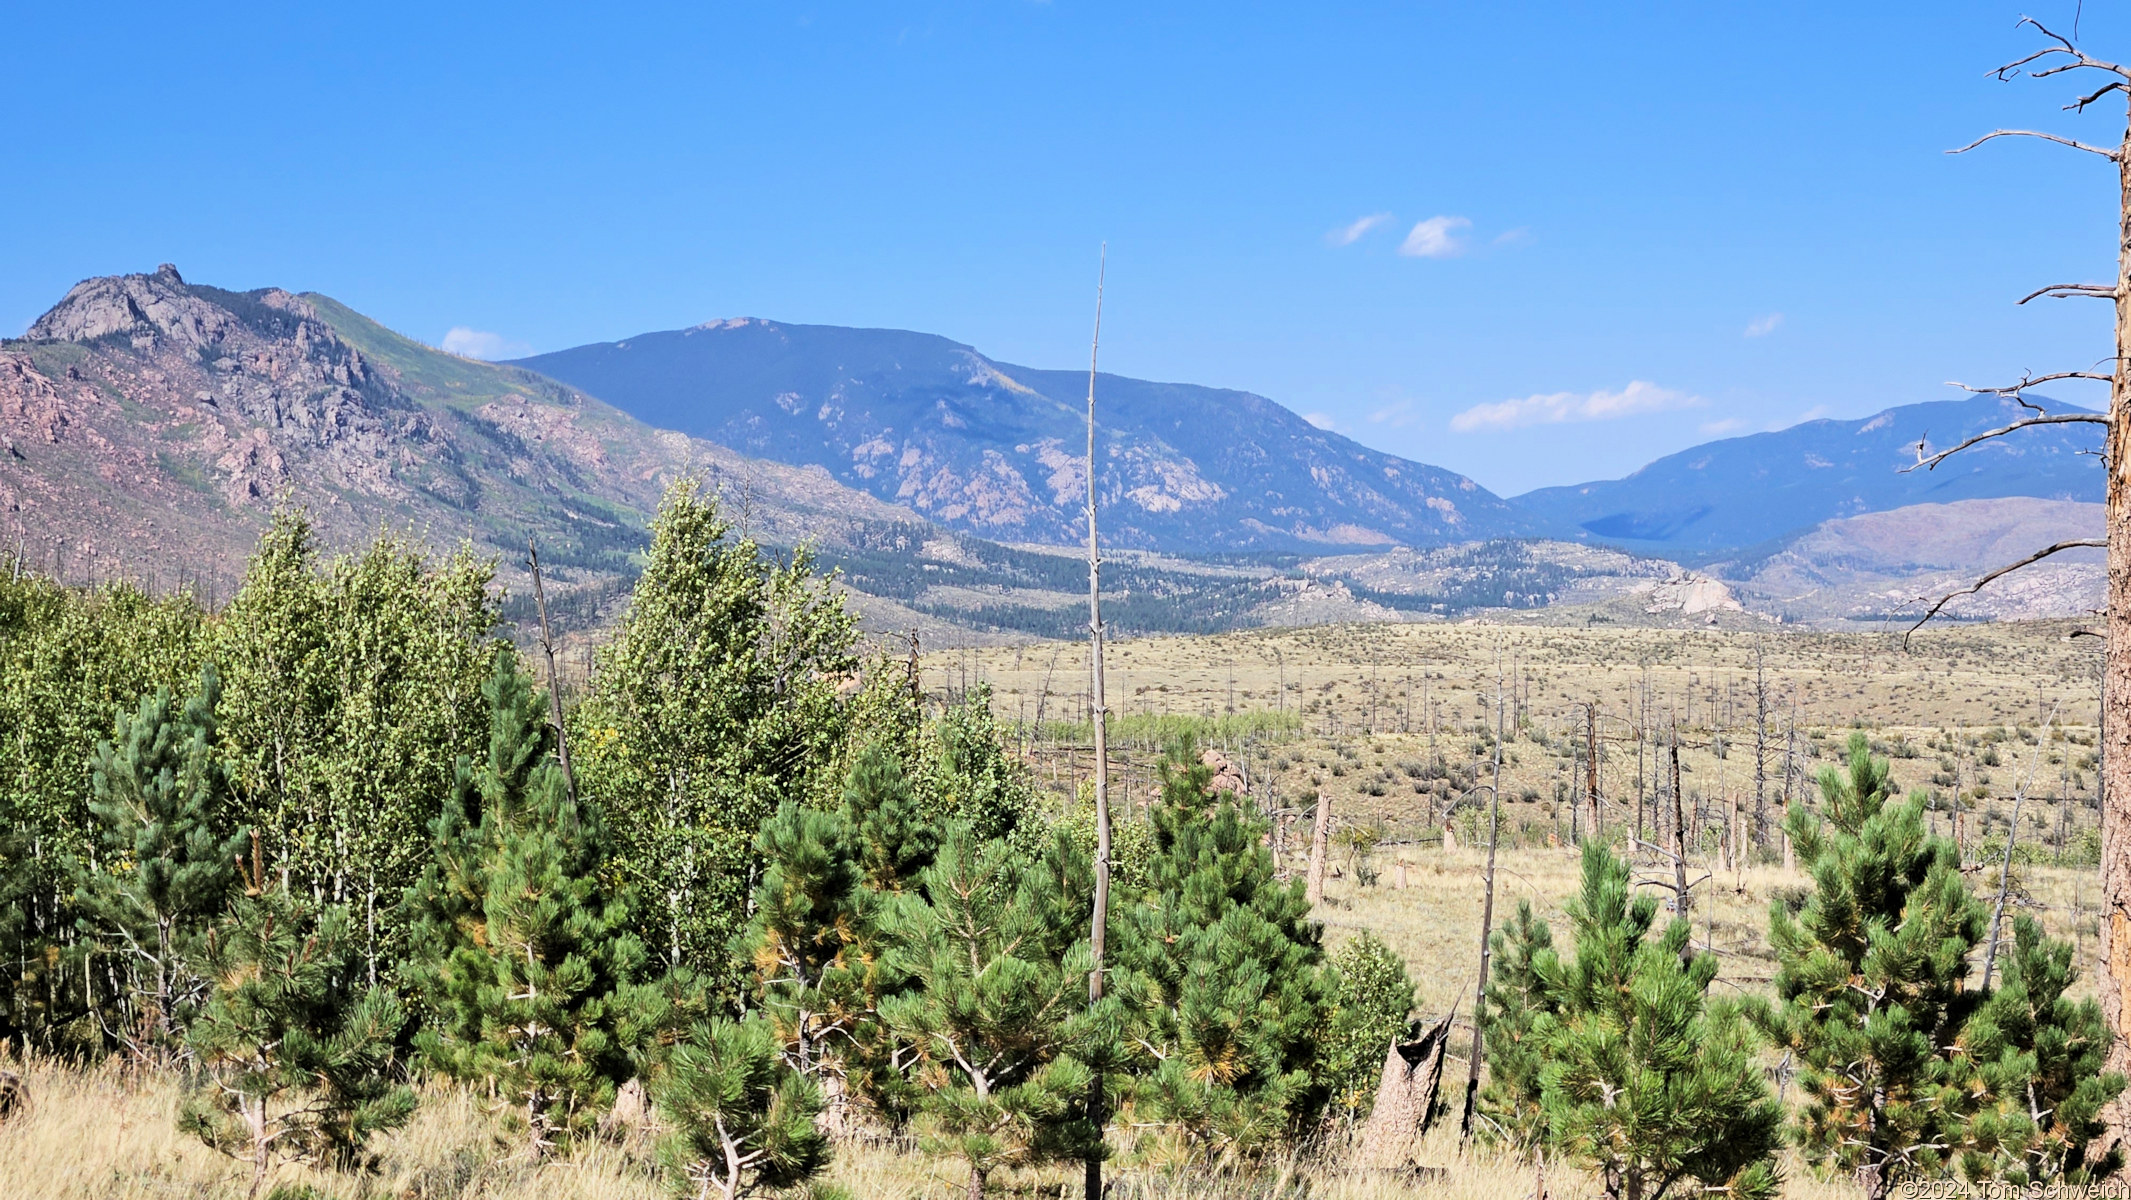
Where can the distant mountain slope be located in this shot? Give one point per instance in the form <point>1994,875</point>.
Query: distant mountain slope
<point>997,450</point>
<point>1744,491</point>
<point>151,425</point>
<point>1879,565</point>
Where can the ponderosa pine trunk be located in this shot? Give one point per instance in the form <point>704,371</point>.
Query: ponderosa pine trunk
<point>2116,718</point>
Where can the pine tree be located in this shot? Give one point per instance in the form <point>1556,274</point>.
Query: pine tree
<point>297,1055</point>
<point>999,1018</point>
<point>808,939</point>
<point>2040,1056</point>
<point>1871,981</point>
<point>527,963</point>
<point>163,869</point>
<point>896,839</point>
<point>743,1121</point>
<point>1644,1079</point>
<point>1372,1008</point>
<point>1223,975</point>
<point>1517,1001</point>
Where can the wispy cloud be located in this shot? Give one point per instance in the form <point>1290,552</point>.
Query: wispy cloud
<point>1721,427</point>
<point>1763,326</point>
<point>1322,421</point>
<point>1520,236</point>
<point>1347,235</point>
<point>1436,237</point>
<point>1398,414</point>
<point>1555,408</point>
<point>475,343</point>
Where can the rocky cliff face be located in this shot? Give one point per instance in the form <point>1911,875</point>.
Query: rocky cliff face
<point>151,425</point>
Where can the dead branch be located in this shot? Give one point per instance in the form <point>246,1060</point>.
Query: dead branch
<point>1931,462</point>
<point>2063,291</point>
<point>2009,568</point>
<point>2111,155</point>
<point>2080,59</point>
<point>2028,381</point>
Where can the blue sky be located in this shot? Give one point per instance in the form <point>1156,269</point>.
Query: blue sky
<point>1625,228</point>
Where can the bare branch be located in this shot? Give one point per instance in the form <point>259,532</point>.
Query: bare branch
<point>2080,105</point>
<point>2111,155</point>
<point>2059,291</point>
<point>2011,70</point>
<point>2028,381</point>
<point>1930,462</point>
<point>2064,46</point>
<point>2009,568</point>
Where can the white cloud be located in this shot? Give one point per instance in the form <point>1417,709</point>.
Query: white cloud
<point>1436,237</point>
<point>1763,326</point>
<point>1322,421</point>
<point>1520,236</point>
<point>1719,428</point>
<point>1347,235</point>
<point>1639,397</point>
<point>474,343</point>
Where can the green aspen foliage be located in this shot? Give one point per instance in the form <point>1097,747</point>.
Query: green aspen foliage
<point>353,688</point>
<point>1872,981</point>
<point>295,1052</point>
<point>973,777</point>
<point>998,1022</point>
<point>70,658</point>
<point>1222,974</point>
<point>162,868</point>
<point>2040,1056</point>
<point>742,1120</point>
<point>1516,1001</point>
<point>528,964</point>
<point>1372,1007</point>
<point>715,702</point>
<point>1645,1080</point>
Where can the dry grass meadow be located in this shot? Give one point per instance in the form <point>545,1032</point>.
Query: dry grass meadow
<point>1385,719</point>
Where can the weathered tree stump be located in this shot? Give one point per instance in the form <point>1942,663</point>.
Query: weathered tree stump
<point>1405,1099</point>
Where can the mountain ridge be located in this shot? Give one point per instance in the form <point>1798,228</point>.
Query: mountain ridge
<point>1756,491</point>
<point>997,449</point>
<point>156,422</point>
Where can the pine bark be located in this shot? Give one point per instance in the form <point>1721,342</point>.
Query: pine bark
<point>2116,671</point>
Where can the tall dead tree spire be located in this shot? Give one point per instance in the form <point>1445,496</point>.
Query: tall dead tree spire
<point>2060,55</point>
<point>1099,714</point>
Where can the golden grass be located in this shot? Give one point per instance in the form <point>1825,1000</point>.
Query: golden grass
<point>106,1134</point>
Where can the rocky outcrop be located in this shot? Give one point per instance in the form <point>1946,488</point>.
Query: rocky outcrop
<point>151,425</point>
<point>1690,595</point>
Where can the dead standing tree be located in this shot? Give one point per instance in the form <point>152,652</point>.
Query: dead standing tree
<point>2060,56</point>
<point>1099,718</point>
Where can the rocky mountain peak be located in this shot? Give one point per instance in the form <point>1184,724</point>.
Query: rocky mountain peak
<point>162,310</point>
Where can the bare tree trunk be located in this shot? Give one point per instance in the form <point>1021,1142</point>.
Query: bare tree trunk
<point>1099,716</point>
<point>1760,834</point>
<point>547,648</point>
<point>1487,921</point>
<point>1320,849</point>
<point>2116,670</point>
<point>1679,831</point>
<point>1594,827</point>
